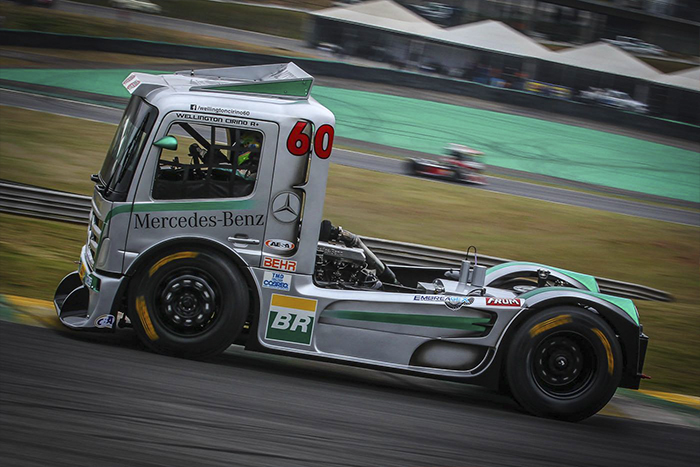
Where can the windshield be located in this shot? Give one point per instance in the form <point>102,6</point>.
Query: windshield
<point>123,154</point>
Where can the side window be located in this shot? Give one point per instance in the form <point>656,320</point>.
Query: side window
<point>209,162</point>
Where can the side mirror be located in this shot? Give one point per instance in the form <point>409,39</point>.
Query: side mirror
<point>167,142</point>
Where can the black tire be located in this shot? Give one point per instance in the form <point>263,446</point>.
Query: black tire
<point>190,303</point>
<point>564,363</point>
<point>412,167</point>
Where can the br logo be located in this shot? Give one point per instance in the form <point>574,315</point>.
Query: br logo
<point>291,319</point>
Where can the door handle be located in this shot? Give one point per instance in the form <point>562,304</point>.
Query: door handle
<point>247,241</point>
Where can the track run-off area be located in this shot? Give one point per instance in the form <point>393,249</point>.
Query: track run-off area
<point>509,141</point>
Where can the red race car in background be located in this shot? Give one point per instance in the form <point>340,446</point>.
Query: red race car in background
<point>461,164</point>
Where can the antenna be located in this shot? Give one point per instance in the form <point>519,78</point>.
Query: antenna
<point>476,256</point>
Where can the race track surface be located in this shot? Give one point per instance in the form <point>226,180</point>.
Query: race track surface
<point>102,113</point>
<point>70,399</point>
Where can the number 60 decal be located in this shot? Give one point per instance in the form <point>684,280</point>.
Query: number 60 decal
<point>299,143</point>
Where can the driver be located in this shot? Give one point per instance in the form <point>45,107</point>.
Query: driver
<point>249,159</point>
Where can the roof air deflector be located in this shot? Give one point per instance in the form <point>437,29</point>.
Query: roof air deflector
<point>285,80</point>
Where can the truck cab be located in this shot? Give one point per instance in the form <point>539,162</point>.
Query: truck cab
<point>222,158</point>
<point>206,229</point>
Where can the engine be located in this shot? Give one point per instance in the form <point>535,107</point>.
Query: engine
<point>342,267</point>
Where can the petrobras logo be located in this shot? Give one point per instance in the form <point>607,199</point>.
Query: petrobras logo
<point>291,319</point>
<point>105,321</point>
<point>277,281</point>
<point>280,245</point>
<point>493,301</point>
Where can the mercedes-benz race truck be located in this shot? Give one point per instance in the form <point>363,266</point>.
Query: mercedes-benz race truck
<point>206,230</point>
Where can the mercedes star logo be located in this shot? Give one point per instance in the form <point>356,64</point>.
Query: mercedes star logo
<point>286,207</point>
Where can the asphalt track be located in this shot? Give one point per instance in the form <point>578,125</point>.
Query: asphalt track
<point>70,399</point>
<point>107,114</point>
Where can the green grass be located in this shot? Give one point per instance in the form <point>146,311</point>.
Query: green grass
<point>56,152</point>
<point>61,152</point>
<point>46,20</point>
<point>36,254</point>
<point>273,21</point>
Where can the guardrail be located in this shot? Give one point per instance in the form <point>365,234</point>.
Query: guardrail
<point>69,207</point>
<point>38,202</point>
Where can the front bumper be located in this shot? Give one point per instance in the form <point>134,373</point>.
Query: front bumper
<point>85,299</point>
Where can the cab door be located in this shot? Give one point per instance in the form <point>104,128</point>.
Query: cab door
<point>214,185</point>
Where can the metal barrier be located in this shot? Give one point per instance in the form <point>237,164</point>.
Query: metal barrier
<point>42,203</point>
<point>69,207</point>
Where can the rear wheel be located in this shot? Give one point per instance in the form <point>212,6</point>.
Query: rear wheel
<point>564,363</point>
<point>192,303</point>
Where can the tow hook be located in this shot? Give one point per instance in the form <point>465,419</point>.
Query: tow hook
<point>124,322</point>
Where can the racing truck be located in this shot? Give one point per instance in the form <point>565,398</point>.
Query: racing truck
<point>206,230</point>
<point>460,164</point>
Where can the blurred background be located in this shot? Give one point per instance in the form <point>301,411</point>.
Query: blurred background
<point>585,115</point>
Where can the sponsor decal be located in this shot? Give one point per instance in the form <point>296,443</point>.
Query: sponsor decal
<point>197,220</point>
<point>291,319</point>
<point>493,301</point>
<point>214,119</point>
<point>219,110</point>
<point>131,83</point>
<point>90,281</point>
<point>429,298</point>
<point>455,303</point>
<point>286,207</point>
<point>105,321</point>
<point>277,280</point>
<point>281,245</point>
<point>279,263</point>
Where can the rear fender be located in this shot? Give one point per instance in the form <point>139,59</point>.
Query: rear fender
<point>512,270</point>
<point>619,313</point>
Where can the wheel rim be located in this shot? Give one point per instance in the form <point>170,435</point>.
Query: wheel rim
<point>188,301</point>
<point>563,364</point>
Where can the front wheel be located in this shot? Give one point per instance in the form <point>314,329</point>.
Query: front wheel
<point>191,303</point>
<point>564,363</point>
